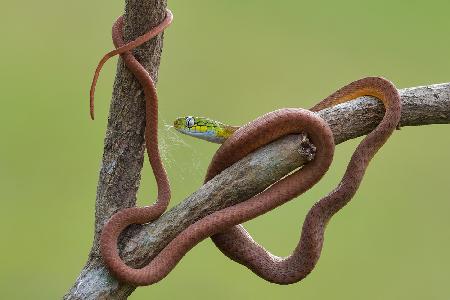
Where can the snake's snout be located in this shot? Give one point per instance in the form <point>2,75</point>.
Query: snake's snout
<point>178,123</point>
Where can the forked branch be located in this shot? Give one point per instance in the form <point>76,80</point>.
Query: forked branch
<point>123,159</point>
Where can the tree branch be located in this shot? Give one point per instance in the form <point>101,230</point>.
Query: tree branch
<point>124,141</point>
<point>421,106</point>
<point>123,158</point>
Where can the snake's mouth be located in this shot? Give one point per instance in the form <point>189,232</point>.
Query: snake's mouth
<point>209,136</point>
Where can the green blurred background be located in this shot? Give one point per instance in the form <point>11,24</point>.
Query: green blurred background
<point>392,242</point>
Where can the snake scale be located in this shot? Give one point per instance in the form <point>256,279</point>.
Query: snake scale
<point>223,226</point>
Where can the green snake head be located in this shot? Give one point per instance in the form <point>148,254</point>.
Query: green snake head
<point>204,128</point>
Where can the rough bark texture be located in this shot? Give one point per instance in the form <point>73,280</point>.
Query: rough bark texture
<point>124,141</point>
<point>123,159</point>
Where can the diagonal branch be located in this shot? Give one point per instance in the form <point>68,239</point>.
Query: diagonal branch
<point>421,106</point>
<point>123,158</point>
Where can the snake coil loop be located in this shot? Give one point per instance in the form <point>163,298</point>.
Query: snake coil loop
<point>222,226</point>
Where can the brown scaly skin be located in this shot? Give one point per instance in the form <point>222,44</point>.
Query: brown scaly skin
<point>235,241</point>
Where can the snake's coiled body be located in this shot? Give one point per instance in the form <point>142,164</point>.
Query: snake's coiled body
<point>233,240</point>
<point>238,245</point>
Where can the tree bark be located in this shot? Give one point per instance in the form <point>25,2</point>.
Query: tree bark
<point>124,146</point>
<point>124,141</point>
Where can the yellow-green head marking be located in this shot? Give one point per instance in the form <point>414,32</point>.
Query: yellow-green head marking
<point>204,128</point>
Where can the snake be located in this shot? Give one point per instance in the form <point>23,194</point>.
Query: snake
<point>237,142</point>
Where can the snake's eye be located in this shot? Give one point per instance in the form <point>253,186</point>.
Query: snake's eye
<point>190,121</point>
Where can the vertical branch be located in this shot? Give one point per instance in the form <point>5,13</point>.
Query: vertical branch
<point>122,161</point>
